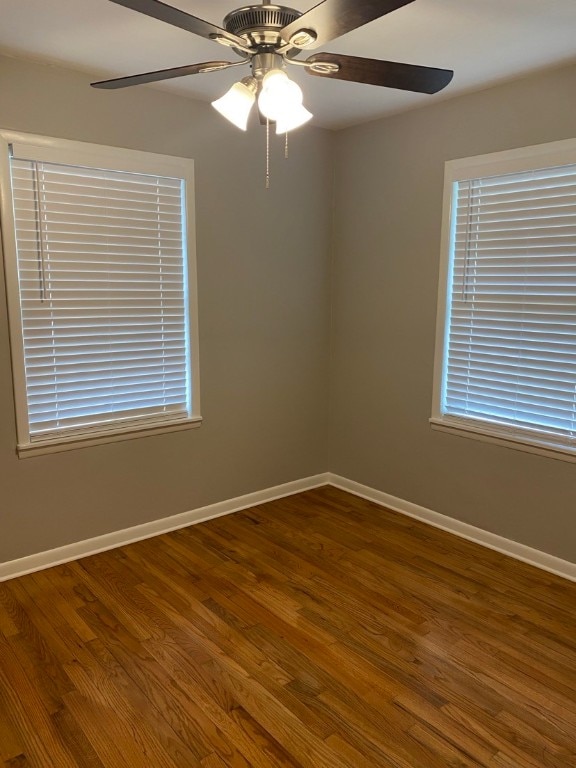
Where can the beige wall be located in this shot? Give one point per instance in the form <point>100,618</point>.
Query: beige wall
<point>263,294</point>
<point>389,177</point>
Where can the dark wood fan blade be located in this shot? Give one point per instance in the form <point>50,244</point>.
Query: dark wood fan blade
<point>163,74</point>
<point>391,74</point>
<point>333,18</point>
<point>178,18</point>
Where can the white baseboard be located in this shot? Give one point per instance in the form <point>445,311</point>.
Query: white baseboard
<point>536,557</point>
<point>41,560</point>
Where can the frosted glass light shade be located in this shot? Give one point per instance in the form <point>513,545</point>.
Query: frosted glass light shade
<point>236,104</point>
<point>297,116</point>
<point>279,95</point>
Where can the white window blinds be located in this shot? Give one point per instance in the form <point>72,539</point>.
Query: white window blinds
<point>101,261</point>
<point>511,341</point>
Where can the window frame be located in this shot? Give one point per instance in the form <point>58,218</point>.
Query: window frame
<point>520,160</point>
<point>67,152</point>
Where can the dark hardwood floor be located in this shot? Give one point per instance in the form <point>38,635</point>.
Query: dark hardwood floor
<point>318,631</point>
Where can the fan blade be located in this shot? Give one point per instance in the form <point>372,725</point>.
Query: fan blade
<point>333,18</point>
<point>391,74</point>
<point>178,18</point>
<point>163,74</point>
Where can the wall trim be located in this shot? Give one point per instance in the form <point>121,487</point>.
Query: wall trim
<point>535,557</point>
<point>77,550</point>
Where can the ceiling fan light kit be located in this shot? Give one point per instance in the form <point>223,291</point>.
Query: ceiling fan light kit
<point>268,38</point>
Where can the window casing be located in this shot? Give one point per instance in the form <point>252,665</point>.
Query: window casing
<point>101,285</point>
<point>505,366</point>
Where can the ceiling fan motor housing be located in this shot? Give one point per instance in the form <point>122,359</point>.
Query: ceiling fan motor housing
<point>260,25</point>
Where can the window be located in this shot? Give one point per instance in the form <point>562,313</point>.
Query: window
<point>99,260</point>
<point>506,345</point>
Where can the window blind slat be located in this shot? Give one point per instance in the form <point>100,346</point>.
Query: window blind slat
<point>82,423</point>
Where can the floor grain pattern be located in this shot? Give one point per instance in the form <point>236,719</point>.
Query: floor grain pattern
<point>318,631</point>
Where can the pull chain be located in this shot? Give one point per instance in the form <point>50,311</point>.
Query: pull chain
<point>267,153</point>
<point>286,145</point>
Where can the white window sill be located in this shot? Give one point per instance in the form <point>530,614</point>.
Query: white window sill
<point>541,447</point>
<point>73,442</point>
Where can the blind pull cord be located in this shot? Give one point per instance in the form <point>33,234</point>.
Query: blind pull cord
<point>40,236</point>
<point>471,203</point>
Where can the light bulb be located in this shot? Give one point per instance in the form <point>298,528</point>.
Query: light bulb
<point>274,77</point>
<point>237,102</point>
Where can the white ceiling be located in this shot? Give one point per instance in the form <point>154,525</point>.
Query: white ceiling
<point>483,41</point>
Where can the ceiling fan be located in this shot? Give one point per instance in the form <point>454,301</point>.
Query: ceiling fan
<point>267,37</point>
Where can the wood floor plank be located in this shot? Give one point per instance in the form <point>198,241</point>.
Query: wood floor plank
<point>75,739</point>
<point>263,750</point>
<point>438,723</point>
<point>11,744</point>
<point>33,724</point>
<point>451,756</point>
<point>317,631</point>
